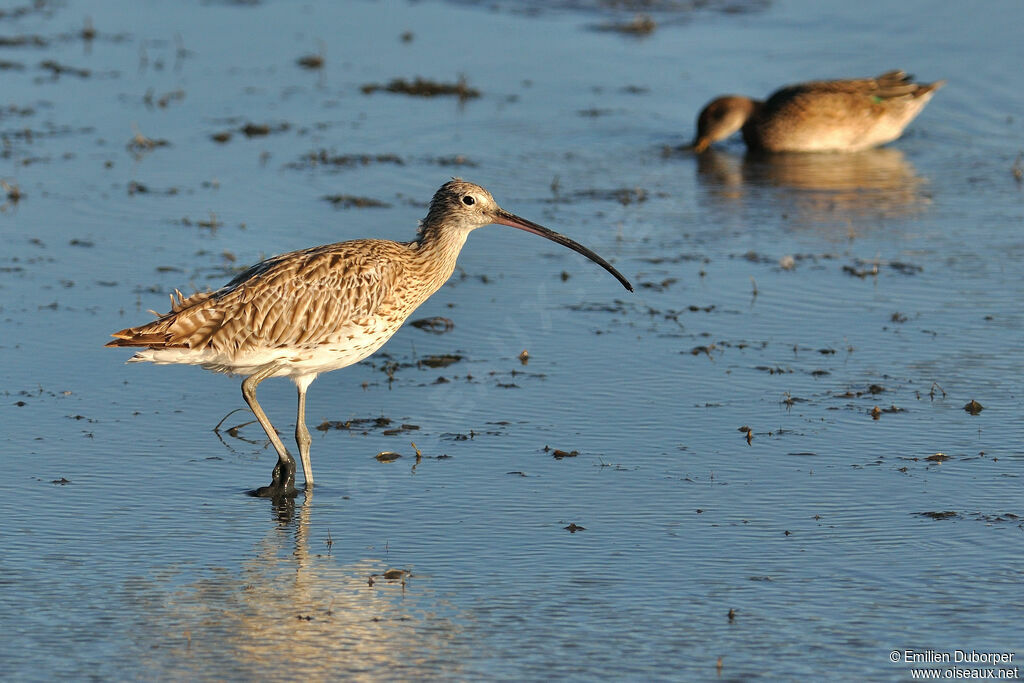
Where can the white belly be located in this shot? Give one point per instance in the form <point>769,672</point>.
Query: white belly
<point>291,361</point>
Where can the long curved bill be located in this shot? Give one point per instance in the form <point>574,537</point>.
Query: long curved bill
<point>503,217</point>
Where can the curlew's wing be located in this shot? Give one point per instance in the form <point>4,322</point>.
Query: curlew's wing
<point>294,299</point>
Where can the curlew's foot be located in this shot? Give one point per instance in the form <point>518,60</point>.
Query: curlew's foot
<point>282,484</point>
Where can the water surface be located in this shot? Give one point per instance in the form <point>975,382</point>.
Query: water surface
<point>130,549</point>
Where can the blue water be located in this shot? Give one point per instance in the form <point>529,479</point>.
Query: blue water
<point>146,560</point>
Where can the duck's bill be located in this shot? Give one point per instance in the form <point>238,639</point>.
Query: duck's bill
<point>513,221</point>
<point>700,145</point>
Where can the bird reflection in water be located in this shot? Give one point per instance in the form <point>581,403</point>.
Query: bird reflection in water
<point>296,608</point>
<point>818,190</point>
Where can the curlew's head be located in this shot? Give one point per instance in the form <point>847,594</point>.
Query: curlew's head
<point>722,117</point>
<point>462,206</point>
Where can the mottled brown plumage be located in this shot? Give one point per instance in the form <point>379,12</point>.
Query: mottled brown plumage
<point>819,116</point>
<point>320,309</point>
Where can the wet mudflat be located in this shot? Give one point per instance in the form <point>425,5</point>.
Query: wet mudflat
<point>795,449</point>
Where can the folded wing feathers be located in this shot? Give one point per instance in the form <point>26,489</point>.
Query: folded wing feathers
<point>285,301</point>
<point>899,83</point>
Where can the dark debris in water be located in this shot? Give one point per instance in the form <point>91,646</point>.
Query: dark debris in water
<point>639,25</point>
<point>258,130</point>
<point>861,272</point>
<point>973,407</point>
<point>459,436</point>
<point>311,62</point>
<point>789,401</point>
<point>389,575</point>
<point>707,349</point>
<point>1003,517</point>
<point>754,257</point>
<point>618,306</point>
<point>558,453</point>
<point>141,143</point>
<point>135,187</point>
<point>387,456</point>
<point>455,160</point>
<point>252,130</point>
<point>862,268</point>
<point>210,223</point>
<point>164,100</point>
<point>745,429</point>
<point>13,109</point>
<point>675,10</point>
<point>23,40</point>
<point>872,390</point>
<point>404,427</point>
<point>905,268</point>
<point>358,424</point>
<point>434,325</point>
<point>424,87</point>
<point>999,518</point>
<point>659,286</point>
<point>622,195</point>
<point>57,69</point>
<point>322,157</point>
<point>13,192</point>
<point>678,258</point>
<point>594,112</point>
<point>877,412</point>
<point>440,360</point>
<point>948,514</point>
<point>348,201</point>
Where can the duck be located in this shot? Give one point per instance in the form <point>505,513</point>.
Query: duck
<point>818,116</point>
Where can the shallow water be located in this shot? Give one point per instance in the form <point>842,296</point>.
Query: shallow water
<point>130,549</point>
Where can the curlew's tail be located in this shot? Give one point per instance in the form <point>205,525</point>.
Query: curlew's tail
<point>131,337</point>
<point>160,333</point>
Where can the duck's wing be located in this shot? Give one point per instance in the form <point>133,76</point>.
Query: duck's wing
<point>894,84</point>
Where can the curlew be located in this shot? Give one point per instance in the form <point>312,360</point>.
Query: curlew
<point>307,312</point>
<point>819,116</point>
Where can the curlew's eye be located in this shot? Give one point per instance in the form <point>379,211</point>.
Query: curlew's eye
<point>468,200</point>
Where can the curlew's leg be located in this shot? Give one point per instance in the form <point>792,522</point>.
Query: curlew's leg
<point>302,437</point>
<point>283,482</point>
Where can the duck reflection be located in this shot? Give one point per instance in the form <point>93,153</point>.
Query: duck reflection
<point>291,611</point>
<point>819,188</point>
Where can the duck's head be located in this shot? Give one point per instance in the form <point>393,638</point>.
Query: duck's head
<point>722,117</point>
